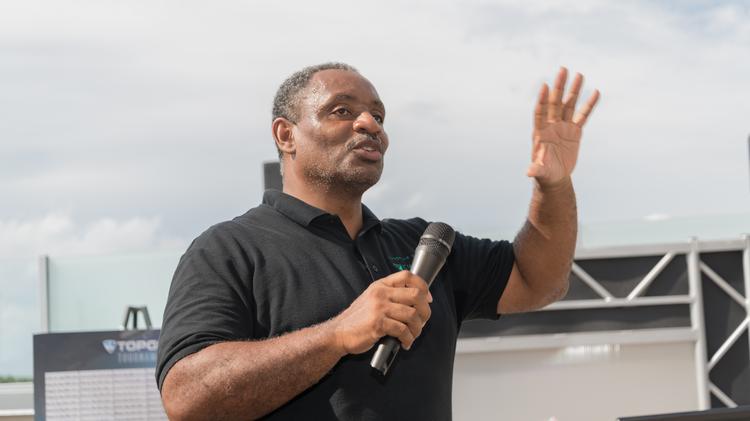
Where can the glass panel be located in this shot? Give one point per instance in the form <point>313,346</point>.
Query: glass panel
<point>91,293</point>
<point>20,317</point>
<point>662,229</point>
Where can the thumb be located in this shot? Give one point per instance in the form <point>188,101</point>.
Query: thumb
<point>536,170</point>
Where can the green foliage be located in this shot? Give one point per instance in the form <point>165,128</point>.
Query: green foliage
<point>13,379</point>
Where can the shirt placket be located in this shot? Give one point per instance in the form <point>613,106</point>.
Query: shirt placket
<point>372,257</point>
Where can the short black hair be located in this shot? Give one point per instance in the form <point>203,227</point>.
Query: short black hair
<point>286,101</point>
<point>287,96</point>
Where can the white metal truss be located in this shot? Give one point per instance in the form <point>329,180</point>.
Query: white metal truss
<point>698,322</point>
<point>592,283</point>
<point>634,298</point>
<point>650,276</point>
<point>743,326</point>
<point>721,395</point>
<point>695,269</point>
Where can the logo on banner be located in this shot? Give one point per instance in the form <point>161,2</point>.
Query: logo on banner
<point>133,345</point>
<point>109,345</point>
<point>132,351</point>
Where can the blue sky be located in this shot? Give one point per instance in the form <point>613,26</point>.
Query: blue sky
<point>131,126</point>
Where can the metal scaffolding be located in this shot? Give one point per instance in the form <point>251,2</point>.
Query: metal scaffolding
<point>690,258</point>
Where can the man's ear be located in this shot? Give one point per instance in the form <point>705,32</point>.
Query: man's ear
<point>283,134</point>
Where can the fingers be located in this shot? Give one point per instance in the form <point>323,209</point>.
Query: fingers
<point>412,297</point>
<point>410,290</point>
<point>407,279</point>
<point>569,105</point>
<point>409,317</point>
<point>583,114</point>
<point>550,106</point>
<point>409,299</point>
<point>554,111</point>
<point>403,278</point>
<point>540,111</point>
<point>399,331</point>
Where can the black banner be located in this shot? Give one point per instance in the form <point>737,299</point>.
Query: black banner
<point>96,376</point>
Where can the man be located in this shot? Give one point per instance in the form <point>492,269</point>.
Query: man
<point>276,313</point>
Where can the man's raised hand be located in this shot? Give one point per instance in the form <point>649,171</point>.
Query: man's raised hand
<point>557,130</point>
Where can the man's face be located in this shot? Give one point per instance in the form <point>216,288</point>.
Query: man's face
<point>340,141</point>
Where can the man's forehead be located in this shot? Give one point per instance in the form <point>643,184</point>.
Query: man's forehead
<point>342,84</point>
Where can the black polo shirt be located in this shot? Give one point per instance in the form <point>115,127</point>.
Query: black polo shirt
<point>286,265</point>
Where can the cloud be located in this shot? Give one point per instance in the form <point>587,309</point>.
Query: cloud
<point>59,234</point>
<point>656,217</point>
<point>117,110</point>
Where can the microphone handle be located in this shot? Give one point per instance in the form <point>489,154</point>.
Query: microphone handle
<point>385,354</point>
<point>426,265</point>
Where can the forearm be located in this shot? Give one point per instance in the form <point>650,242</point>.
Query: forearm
<point>545,246</point>
<point>246,380</point>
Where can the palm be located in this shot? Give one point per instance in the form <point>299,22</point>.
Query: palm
<point>557,130</point>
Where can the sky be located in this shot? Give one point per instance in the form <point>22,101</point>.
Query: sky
<point>134,126</point>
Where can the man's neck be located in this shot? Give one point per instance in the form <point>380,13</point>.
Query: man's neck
<point>348,207</point>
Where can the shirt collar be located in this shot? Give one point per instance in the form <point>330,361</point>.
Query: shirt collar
<point>304,214</point>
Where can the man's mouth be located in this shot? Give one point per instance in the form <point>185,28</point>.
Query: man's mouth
<point>371,150</point>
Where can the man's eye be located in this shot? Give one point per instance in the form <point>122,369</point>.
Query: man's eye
<point>378,118</point>
<point>341,111</point>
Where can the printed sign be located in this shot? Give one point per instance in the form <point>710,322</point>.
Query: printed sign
<point>96,376</point>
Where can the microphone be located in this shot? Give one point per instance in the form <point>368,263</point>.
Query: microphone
<point>429,257</point>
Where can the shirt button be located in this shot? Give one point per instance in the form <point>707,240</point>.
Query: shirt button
<point>375,268</point>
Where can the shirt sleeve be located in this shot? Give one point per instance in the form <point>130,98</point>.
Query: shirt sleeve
<point>480,271</point>
<point>207,302</point>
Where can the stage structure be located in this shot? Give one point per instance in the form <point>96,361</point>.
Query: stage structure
<point>697,292</point>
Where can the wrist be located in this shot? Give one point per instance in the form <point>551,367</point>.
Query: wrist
<point>332,340</point>
<point>564,183</point>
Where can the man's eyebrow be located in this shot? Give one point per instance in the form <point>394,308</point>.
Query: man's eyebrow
<point>347,97</point>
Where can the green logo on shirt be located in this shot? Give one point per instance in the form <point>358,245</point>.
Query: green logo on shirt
<point>401,263</point>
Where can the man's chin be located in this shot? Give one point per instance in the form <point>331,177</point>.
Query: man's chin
<point>358,180</point>
<point>361,182</point>
<point>353,180</point>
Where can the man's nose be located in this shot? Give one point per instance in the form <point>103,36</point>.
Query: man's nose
<point>366,123</point>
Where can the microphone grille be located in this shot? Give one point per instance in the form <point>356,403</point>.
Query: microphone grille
<point>438,235</point>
